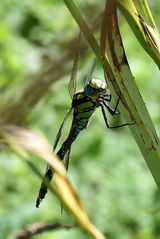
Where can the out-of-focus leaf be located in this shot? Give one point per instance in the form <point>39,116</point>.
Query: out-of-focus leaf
<point>38,228</point>
<point>24,141</point>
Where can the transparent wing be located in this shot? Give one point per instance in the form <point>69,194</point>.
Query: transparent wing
<point>49,173</point>
<point>90,72</point>
<point>60,129</point>
<point>73,78</point>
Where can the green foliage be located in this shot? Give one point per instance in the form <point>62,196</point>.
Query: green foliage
<point>106,166</point>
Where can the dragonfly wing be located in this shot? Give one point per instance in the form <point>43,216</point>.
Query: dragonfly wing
<point>49,173</point>
<point>90,72</point>
<point>73,78</point>
<point>60,129</point>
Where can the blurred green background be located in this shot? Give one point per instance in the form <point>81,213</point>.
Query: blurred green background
<point>106,167</point>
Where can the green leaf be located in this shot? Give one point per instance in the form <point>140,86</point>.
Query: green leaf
<point>84,27</point>
<point>147,36</point>
<point>143,130</point>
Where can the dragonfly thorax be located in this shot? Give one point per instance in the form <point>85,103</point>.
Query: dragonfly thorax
<point>95,88</point>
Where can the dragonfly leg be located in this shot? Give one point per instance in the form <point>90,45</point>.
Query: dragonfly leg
<point>61,127</point>
<point>106,121</point>
<point>116,106</point>
<point>111,111</point>
<point>104,97</point>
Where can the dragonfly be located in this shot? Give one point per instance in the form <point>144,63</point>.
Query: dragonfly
<point>94,95</point>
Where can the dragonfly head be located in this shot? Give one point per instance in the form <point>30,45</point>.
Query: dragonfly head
<point>95,88</point>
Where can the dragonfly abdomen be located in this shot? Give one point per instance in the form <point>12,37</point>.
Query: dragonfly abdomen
<point>77,127</point>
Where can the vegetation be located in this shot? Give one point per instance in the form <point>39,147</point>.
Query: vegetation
<point>38,43</point>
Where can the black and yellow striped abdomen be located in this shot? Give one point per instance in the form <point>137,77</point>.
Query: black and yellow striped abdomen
<point>83,107</point>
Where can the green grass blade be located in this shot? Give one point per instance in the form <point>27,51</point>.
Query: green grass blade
<point>147,36</point>
<point>144,9</point>
<point>143,131</point>
<point>90,38</point>
<point>84,27</point>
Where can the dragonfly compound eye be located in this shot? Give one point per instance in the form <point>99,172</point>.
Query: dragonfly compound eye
<point>89,90</point>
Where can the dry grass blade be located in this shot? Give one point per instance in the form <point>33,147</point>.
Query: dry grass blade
<point>36,86</point>
<point>24,141</point>
<point>38,228</point>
